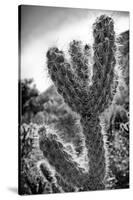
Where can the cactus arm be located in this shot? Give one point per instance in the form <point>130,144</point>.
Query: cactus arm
<point>79,59</point>
<point>50,178</point>
<point>104,61</point>
<point>62,161</point>
<point>64,79</point>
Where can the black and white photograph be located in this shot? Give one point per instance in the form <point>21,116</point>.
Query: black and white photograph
<point>73,100</point>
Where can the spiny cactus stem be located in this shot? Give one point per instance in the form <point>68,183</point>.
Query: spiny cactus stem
<point>89,101</point>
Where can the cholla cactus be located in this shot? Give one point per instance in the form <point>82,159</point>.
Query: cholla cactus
<point>87,90</point>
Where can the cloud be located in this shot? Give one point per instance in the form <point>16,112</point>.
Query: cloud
<point>39,20</point>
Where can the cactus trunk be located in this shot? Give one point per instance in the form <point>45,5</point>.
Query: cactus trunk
<point>96,152</point>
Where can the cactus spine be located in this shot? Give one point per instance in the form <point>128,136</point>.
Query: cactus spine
<point>86,95</point>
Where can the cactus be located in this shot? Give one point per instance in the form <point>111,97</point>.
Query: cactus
<point>87,89</point>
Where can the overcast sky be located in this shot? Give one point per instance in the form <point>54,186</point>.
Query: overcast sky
<point>43,27</point>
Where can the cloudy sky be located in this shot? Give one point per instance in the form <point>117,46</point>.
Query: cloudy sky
<point>43,27</point>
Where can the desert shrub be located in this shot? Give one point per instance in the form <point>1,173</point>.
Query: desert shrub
<point>26,91</point>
